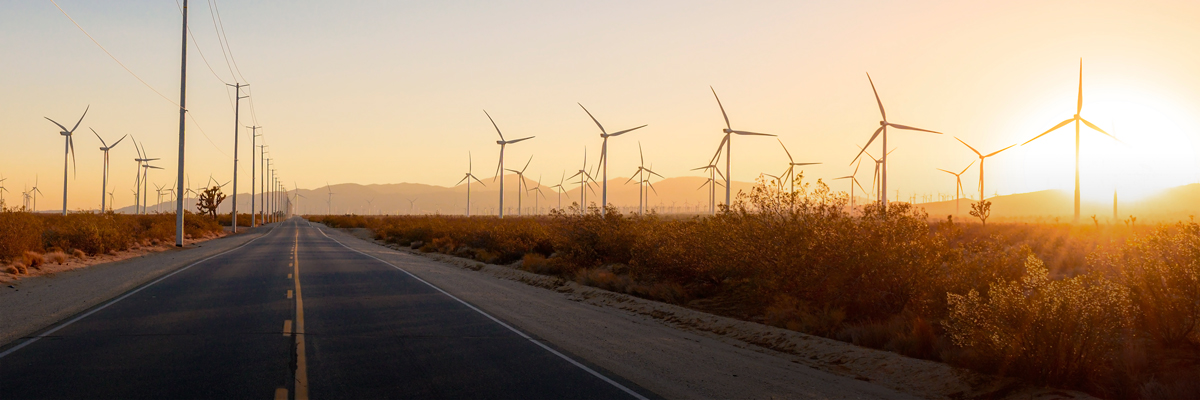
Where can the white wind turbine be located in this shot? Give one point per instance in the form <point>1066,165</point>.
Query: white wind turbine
<point>468,177</point>
<point>536,204</point>
<point>105,148</point>
<point>560,189</point>
<point>643,177</point>
<point>728,143</point>
<point>138,202</point>
<point>35,192</point>
<point>585,179</point>
<point>883,125</point>
<point>853,181</point>
<point>500,166</point>
<point>329,201</point>
<point>958,181</point>
<point>875,177</point>
<point>712,183</point>
<point>2,190</point>
<point>68,150</point>
<point>790,173</point>
<point>521,183</point>
<point>411,202</point>
<point>604,157</point>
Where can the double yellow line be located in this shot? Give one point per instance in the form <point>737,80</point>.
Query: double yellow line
<point>298,333</point>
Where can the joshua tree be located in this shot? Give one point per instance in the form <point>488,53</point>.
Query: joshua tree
<point>982,210</point>
<point>210,199</point>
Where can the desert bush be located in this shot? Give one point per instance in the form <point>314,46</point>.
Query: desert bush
<point>91,233</point>
<point>56,257</point>
<point>1065,332</point>
<point>19,232</point>
<point>32,260</point>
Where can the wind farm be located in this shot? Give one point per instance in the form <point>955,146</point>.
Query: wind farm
<point>426,281</point>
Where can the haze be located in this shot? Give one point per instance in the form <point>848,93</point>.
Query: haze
<point>388,92</point>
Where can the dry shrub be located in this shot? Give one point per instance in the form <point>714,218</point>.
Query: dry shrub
<point>539,264</point>
<point>32,260</point>
<point>56,257</point>
<point>1062,332</point>
<point>78,254</point>
<point>604,279</point>
<point>17,268</point>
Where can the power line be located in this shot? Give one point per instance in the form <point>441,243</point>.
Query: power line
<point>213,16</point>
<point>114,58</point>
<point>235,66</point>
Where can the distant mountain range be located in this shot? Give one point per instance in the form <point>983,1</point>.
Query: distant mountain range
<point>681,195</point>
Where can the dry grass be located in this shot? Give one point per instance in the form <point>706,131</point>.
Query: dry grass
<point>56,257</point>
<point>1085,307</point>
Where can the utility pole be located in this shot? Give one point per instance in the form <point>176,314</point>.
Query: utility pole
<point>253,165</point>
<point>236,113</point>
<point>182,113</point>
<point>266,207</point>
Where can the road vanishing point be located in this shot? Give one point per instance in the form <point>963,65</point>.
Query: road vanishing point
<point>294,314</point>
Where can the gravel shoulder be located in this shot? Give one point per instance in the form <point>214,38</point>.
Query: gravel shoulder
<point>683,353</point>
<point>33,303</point>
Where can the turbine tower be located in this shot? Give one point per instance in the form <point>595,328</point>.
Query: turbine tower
<point>883,125</point>
<point>469,176</point>
<point>500,166</point>
<point>68,150</point>
<point>1076,119</point>
<point>728,143</point>
<point>604,157</point>
<point>104,185</point>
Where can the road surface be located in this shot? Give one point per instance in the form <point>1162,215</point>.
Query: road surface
<point>294,315</point>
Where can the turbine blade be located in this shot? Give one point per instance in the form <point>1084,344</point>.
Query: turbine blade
<point>968,146</point>
<point>864,148</point>
<point>723,114</point>
<point>785,150</point>
<point>1079,103</point>
<point>1060,125</point>
<point>720,148</point>
<point>118,141</point>
<point>627,130</point>
<point>641,157</point>
<point>1093,126</point>
<point>589,113</point>
<point>477,180</point>
<point>461,181</point>
<point>998,151</point>
<point>71,145</point>
<point>651,185</point>
<point>494,125</point>
<point>98,137</point>
<point>64,129</point>
<point>805,163</point>
<point>90,106</point>
<point>706,182</point>
<point>859,184</point>
<point>520,140</point>
<point>948,172</point>
<point>968,167</point>
<point>898,126</point>
<point>752,133</point>
<point>526,164</point>
<point>656,174</point>
<point>877,101</point>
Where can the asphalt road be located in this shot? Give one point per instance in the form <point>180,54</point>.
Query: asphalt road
<point>293,314</point>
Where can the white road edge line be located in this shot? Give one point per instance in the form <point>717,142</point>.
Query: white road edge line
<point>636,395</point>
<point>113,301</point>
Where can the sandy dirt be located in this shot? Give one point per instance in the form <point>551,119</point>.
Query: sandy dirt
<point>72,263</point>
<point>682,353</point>
<point>33,303</point>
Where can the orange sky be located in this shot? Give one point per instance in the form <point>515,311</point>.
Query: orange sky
<point>387,92</point>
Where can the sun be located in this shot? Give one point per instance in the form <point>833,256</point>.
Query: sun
<point>1148,150</point>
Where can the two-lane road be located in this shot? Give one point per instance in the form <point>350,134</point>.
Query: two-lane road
<point>293,314</point>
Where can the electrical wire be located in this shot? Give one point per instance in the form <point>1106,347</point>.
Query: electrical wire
<point>223,35</point>
<point>114,58</point>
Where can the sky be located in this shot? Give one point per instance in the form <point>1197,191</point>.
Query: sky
<point>376,92</point>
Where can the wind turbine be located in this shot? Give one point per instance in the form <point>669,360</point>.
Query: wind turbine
<point>604,157</point>
<point>329,202</point>
<point>105,148</point>
<point>468,177</point>
<point>521,182</point>
<point>981,159</point>
<point>142,160</point>
<point>369,201</point>
<point>411,202</point>
<point>713,172</point>
<point>111,199</point>
<point>792,164</point>
<point>584,185</point>
<point>500,166</point>
<point>146,185</point>
<point>557,188</point>
<point>158,189</point>
<point>35,192</point>
<point>883,125</point>
<point>1076,119</point>
<point>642,175</point>
<point>68,150</point>
<point>536,205</point>
<point>878,166</point>
<point>853,181</point>
<point>2,190</point>
<point>958,179</point>
<point>728,143</point>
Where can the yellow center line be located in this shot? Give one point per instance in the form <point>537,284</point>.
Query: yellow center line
<point>281,394</point>
<point>287,327</point>
<point>301,363</point>
<point>289,295</point>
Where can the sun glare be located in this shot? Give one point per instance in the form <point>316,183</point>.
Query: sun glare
<point>1152,152</point>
